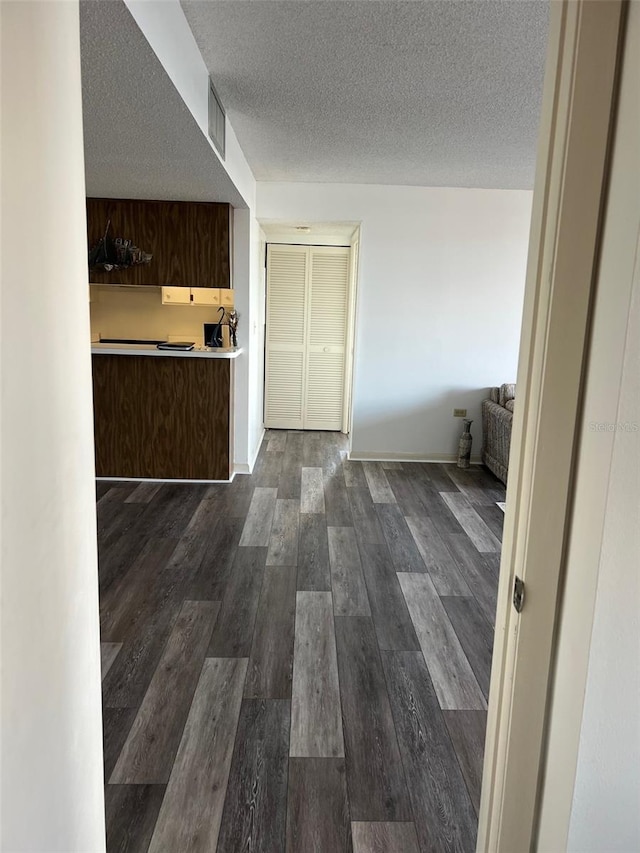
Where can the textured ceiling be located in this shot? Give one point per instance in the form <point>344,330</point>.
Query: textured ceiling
<point>141,141</point>
<point>426,93</point>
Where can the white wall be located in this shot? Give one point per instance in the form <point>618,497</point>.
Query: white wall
<point>248,418</point>
<point>440,299</point>
<point>51,723</point>
<point>166,29</point>
<point>606,800</point>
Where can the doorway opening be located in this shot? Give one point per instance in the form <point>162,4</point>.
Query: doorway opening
<point>311,274</point>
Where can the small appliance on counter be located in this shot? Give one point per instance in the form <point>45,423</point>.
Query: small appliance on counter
<point>213,332</point>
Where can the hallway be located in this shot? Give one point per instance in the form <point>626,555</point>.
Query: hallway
<point>300,660</point>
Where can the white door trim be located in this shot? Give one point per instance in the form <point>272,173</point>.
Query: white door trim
<point>354,258</point>
<point>565,234</point>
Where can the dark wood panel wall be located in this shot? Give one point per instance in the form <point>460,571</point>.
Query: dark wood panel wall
<point>161,417</point>
<point>189,241</point>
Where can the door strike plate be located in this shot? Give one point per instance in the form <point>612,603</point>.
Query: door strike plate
<point>518,594</point>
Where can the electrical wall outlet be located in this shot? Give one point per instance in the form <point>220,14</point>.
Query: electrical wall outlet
<point>459,413</point>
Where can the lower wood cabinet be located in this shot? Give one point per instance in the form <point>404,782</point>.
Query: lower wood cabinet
<point>162,417</point>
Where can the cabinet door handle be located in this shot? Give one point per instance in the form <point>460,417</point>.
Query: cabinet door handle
<point>327,349</point>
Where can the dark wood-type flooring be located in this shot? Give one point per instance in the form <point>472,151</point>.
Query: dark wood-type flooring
<point>298,661</point>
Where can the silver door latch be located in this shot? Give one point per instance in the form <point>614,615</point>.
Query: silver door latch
<point>518,594</point>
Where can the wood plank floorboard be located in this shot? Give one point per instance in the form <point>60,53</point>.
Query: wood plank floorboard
<point>268,469</point>
<point>442,810</point>
<point>316,721</point>
<point>171,510</point>
<point>365,519</point>
<point>312,450</point>
<point>477,572</point>
<point>312,490</point>
<point>492,561</point>
<point>375,778</point>
<point>116,725</point>
<point>314,571</point>
<point>290,476</point>
<point>117,521</point>
<point>337,506</point>
<point>257,528</point>
<point>439,475</point>
<point>210,580</point>
<point>277,645</point>
<point>108,654</point>
<point>441,566</point>
<point>191,811</point>
<point>493,517</point>
<point>475,635</point>
<point>236,501</point>
<point>131,812</point>
<point>379,487</point>
<point>318,807</point>
<point>354,475</point>
<point>467,730</point>
<point>453,679</point>
<point>402,547</point>
<point>148,754</point>
<point>387,837</point>
<point>255,811</point>
<point>283,542</point>
<point>391,618</point>
<point>143,493</point>
<point>347,581</point>
<point>125,604</point>
<point>271,660</point>
<point>277,441</point>
<point>406,496</point>
<point>471,523</point>
<point>233,632</point>
<point>436,508</point>
<point>115,560</point>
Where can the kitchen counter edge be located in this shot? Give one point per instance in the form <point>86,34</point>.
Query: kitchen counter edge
<point>138,349</point>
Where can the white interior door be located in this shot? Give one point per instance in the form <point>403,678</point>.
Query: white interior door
<point>326,339</point>
<point>287,273</point>
<point>307,313</point>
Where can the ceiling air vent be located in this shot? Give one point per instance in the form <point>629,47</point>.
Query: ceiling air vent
<point>216,120</point>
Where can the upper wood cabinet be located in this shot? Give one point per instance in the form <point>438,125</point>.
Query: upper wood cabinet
<point>189,241</point>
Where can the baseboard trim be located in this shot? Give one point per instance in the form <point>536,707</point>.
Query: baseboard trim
<point>247,467</point>
<point>387,456</point>
<point>163,480</point>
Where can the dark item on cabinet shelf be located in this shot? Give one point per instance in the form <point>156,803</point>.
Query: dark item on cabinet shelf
<point>189,241</point>
<point>118,254</point>
<point>213,332</point>
<point>181,346</point>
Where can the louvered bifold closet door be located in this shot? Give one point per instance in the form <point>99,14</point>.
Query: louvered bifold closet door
<point>326,337</point>
<point>287,288</point>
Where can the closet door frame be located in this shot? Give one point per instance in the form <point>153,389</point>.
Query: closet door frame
<point>350,315</point>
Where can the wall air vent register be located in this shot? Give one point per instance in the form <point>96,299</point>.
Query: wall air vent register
<point>216,120</point>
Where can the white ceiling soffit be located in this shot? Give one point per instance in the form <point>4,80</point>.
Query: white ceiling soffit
<point>419,93</point>
<point>140,140</point>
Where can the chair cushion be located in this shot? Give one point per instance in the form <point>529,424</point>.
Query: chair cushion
<point>507,392</point>
<point>509,405</point>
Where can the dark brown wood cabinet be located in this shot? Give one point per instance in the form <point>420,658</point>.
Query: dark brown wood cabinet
<point>189,241</point>
<point>162,417</point>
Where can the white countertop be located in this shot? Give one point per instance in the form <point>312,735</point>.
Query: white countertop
<point>150,349</point>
